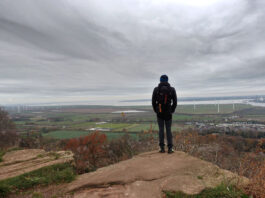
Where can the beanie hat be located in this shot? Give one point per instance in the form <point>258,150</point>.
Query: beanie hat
<point>164,78</point>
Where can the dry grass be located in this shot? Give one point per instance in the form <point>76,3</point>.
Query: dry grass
<point>256,187</point>
<point>239,155</point>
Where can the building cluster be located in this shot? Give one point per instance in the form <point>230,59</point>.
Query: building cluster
<point>226,127</point>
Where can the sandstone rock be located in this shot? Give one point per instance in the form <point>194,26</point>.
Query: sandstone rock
<point>22,161</point>
<point>149,174</point>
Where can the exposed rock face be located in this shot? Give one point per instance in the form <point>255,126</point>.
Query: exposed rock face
<point>22,161</point>
<point>148,175</point>
<point>144,176</point>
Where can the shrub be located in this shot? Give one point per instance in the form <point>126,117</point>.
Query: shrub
<point>8,135</point>
<point>241,155</point>
<point>121,149</point>
<point>2,153</point>
<point>30,140</point>
<point>256,187</point>
<point>87,150</point>
<point>4,190</point>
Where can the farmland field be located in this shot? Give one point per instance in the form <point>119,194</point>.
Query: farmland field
<point>74,121</point>
<point>211,108</point>
<point>76,134</point>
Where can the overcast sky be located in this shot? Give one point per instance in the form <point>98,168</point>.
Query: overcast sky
<point>111,50</point>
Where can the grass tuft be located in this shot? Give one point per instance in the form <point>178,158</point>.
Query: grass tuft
<point>37,195</point>
<point>55,155</point>
<point>14,149</point>
<point>58,173</point>
<point>2,153</point>
<point>51,154</point>
<point>222,190</point>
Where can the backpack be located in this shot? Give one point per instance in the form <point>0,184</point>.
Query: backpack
<point>164,99</point>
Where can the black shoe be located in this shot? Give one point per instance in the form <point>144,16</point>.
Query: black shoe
<point>162,150</point>
<point>170,150</point>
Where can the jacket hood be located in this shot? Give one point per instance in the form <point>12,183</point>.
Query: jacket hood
<point>163,84</point>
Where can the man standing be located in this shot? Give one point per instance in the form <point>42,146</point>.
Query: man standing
<point>164,102</point>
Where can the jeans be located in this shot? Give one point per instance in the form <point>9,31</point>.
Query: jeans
<point>161,123</point>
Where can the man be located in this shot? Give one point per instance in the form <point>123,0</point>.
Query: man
<point>164,102</point>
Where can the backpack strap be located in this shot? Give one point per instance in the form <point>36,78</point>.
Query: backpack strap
<point>165,101</point>
<point>157,93</point>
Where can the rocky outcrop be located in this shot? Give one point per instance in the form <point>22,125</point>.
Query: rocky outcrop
<point>149,174</point>
<point>146,175</point>
<point>22,161</point>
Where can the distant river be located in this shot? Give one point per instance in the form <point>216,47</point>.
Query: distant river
<point>129,111</point>
<point>239,101</point>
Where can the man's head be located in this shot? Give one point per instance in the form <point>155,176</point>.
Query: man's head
<point>164,78</point>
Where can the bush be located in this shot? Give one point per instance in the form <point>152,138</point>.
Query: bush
<point>8,135</point>
<point>87,151</point>
<point>241,155</point>
<point>30,140</point>
<point>4,190</point>
<point>121,149</point>
<point>2,153</point>
<point>256,188</point>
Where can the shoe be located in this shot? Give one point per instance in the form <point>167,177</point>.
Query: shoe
<point>162,150</point>
<point>170,150</point>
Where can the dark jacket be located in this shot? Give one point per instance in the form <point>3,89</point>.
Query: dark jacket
<point>173,102</point>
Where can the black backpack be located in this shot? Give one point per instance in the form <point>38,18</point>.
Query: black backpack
<point>164,99</point>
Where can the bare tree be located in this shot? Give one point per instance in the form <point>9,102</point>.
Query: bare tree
<point>8,135</point>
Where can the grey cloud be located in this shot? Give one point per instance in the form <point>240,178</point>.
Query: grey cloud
<point>120,48</point>
<point>63,32</point>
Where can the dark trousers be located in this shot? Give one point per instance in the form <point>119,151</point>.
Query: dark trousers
<point>161,123</point>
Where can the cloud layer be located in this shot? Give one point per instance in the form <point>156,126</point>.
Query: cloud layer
<point>67,50</point>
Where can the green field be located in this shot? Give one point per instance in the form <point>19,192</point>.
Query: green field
<point>75,134</point>
<point>63,123</point>
<point>65,134</point>
<point>114,126</point>
<point>142,127</point>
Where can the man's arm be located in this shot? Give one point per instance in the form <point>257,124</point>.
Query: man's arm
<point>154,99</point>
<point>175,100</point>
